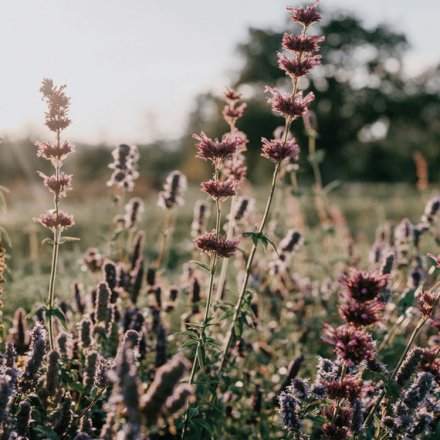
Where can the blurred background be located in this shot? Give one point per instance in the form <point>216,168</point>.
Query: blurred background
<point>152,73</point>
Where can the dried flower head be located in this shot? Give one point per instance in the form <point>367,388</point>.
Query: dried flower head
<point>351,344</point>
<point>210,243</point>
<point>213,150</point>
<point>361,314</point>
<point>58,185</point>
<point>364,286</point>
<point>306,16</point>
<point>54,151</point>
<point>278,150</point>
<point>55,220</point>
<point>172,194</point>
<point>301,43</point>
<point>58,106</point>
<point>133,211</point>
<point>291,107</point>
<point>295,67</point>
<point>232,96</point>
<point>124,165</point>
<point>220,189</point>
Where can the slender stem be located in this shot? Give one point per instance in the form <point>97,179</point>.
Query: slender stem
<point>51,293</point>
<point>164,238</point>
<point>55,250</point>
<point>202,335</point>
<point>84,412</point>
<point>225,262</point>
<point>250,261</point>
<point>315,166</point>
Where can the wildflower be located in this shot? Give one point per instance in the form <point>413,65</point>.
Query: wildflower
<point>161,346</point>
<point>213,150</point>
<point>426,302</point>
<point>166,378</point>
<point>86,333</point>
<point>432,208</point>
<point>289,413</point>
<point>290,106</point>
<point>23,419</point>
<point>361,314</point>
<point>243,208</point>
<point>58,105</point>
<point>55,152</point>
<point>231,114</point>
<point>295,67</point>
<point>232,96</point>
<point>175,404</point>
<point>339,427</point>
<point>418,391</point>
<point>235,167</point>
<point>55,220</point>
<point>65,346</point>
<point>124,165</point>
<point>58,185</point>
<point>351,344</point>
<point>92,260</point>
<point>63,416</point>
<point>102,302</point>
<point>210,243</point>
<point>364,286</point>
<point>358,415</point>
<point>90,369</point>
<point>35,357</point>
<point>348,388</point>
<point>137,252</point>
<point>300,43</point>
<point>220,189</point>
<point>133,210</point>
<point>409,365</point>
<point>277,150</point>
<point>306,16</point>
<point>52,374</point>
<point>201,218</point>
<point>172,193</point>
<point>151,276</point>
<point>387,265</point>
<point>292,241</point>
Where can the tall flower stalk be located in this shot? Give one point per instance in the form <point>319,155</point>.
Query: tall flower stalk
<point>213,243</point>
<point>56,119</point>
<point>292,107</point>
<point>234,167</point>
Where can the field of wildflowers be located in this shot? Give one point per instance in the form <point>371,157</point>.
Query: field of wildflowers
<point>243,321</point>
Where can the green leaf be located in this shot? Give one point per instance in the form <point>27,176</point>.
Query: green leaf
<point>48,240</point>
<point>38,309</point>
<point>67,239</point>
<point>58,313</point>
<point>331,186</point>
<point>188,344</point>
<point>200,264</point>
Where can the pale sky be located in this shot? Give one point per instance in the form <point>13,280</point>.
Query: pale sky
<point>133,67</point>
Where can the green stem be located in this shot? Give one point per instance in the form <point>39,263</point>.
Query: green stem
<point>250,261</point>
<point>51,293</point>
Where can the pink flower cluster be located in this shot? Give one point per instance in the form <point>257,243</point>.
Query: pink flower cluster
<point>298,61</point>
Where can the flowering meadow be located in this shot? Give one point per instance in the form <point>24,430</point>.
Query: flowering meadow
<point>245,324</point>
